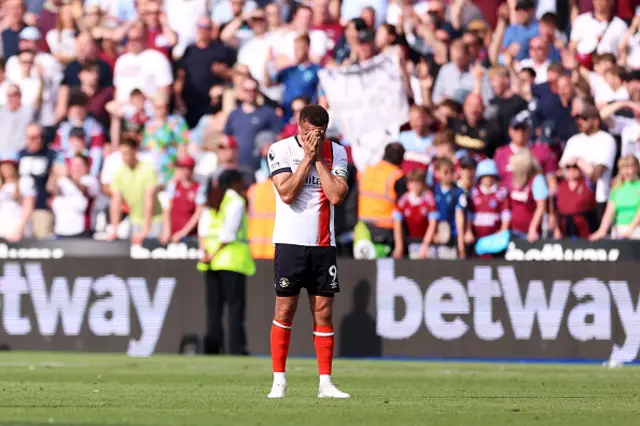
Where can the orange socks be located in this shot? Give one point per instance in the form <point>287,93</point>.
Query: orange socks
<point>280,338</point>
<point>323,341</point>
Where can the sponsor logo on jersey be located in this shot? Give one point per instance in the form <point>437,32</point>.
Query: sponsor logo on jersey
<point>313,181</point>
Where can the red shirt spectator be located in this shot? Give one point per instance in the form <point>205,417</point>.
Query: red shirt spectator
<point>489,205</point>
<point>575,206</point>
<point>546,158</point>
<point>186,197</point>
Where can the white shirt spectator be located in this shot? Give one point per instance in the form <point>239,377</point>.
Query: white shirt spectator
<point>64,45</point>
<point>541,70</point>
<point>222,12</point>
<point>606,94</point>
<point>631,139</point>
<point>352,8</point>
<point>30,89</point>
<point>320,44</point>
<point>591,34</point>
<point>598,149</point>
<point>182,16</point>
<point>633,58</point>
<point>254,55</point>
<point>148,71</point>
<point>11,205</point>
<point>71,206</point>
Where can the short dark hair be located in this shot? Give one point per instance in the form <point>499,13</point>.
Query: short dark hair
<point>304,99</point>
<point>83,157</point>
<point>78,98</point>
<point>444,163</point>
<point>130,142</point>
<point>549,18</point>
<point>450,103</point>
<point>304,38</point>
<point>394,153</point>
<point>314,115</point>
<point>136,92</point>
<point>89,66</point>
<point>557,68</point>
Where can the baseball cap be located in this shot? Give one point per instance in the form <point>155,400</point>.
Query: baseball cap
<point>521,120</point>
<point>186,161</point>
<point>30,33</point>
<point>227,141</point>
<point>77,132</point>
<point>525,4</point>
<point>366,36</point>
<point>467,162</point>
<point>265,138</point>
<point>9,158</point>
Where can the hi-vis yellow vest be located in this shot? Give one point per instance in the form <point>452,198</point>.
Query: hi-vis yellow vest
<point>235,256</point>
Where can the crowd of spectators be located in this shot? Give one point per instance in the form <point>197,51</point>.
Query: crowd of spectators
<point>524,115</point>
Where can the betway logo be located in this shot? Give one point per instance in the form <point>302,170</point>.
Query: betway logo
<point>470,308</point>
<point>61,303</point>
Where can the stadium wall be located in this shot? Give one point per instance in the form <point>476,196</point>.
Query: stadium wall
<point>433,309</point>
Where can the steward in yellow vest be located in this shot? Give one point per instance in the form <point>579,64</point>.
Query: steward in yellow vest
<point>226,262</point>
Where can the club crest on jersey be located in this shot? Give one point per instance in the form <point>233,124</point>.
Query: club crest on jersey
<point>284,283</point>
<point>493,204</point>
<point>272,156</point>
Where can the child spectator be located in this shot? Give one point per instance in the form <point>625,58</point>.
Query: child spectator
<point>415,215</point>
<point>73,198</point>
<point>77,146</point>
<point>489,203</point>
<point>529,194</point>
<point>131,115</point>
<point>93,131</point>
<point>17,201</point>
<point>466,173</point>
<point>185,203</point>
<point>451,203</point>
<point>575,205</point>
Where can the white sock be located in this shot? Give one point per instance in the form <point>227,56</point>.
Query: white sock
<point>325,379</point>
<point>279,378</point>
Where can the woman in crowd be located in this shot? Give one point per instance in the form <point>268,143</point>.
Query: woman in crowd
<point>17,201</point>
<point>166,136</point>
<point>226,262</point>
<point>624,203</point>
<point>575,205</point>
<point>529,194</point>
<point>62,39</point>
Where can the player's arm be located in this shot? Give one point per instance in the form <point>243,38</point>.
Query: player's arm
<point>334,180</point>
<point>289,183</point>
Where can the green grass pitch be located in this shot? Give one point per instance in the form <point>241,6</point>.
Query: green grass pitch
<point>85,389</point>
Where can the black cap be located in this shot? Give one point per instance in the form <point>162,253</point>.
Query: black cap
<point>632,75</point>
<point>366,36</point>
<point>77,132</point>
<point>525,4</point>
<point>467,162</point>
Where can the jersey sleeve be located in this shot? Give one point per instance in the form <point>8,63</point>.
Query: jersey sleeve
<point>340,162</point>
<point>539,188</point>
<point>278,160</point>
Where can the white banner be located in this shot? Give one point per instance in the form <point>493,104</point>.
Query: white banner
<point>369,104</point>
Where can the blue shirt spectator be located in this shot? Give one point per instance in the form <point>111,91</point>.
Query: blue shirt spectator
<point>246,121</point>
<point>523,30</point>
<point>299,81</point>
<point>448,201</point>
<point>414,142</point>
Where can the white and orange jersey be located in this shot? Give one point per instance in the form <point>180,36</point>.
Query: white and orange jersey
<point>309,220</point>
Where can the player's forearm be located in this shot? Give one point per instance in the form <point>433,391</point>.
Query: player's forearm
<point>334,187</point>
<point>291,186</point>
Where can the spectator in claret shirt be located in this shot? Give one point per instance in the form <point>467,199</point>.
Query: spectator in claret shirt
<point>300,79</point>
<point>519,134</point>
<point>529,195</point>
<point>415,218</point>
<point>186,201</point>
<point>575,205</point>
<point>489,207</point>
<point>94,133</point>
<point>322,20</point>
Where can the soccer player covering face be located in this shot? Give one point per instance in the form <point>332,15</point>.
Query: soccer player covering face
<point>310,177</point>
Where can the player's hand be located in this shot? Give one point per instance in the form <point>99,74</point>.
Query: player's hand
<point>310,146</point>
<point>319,145</point>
